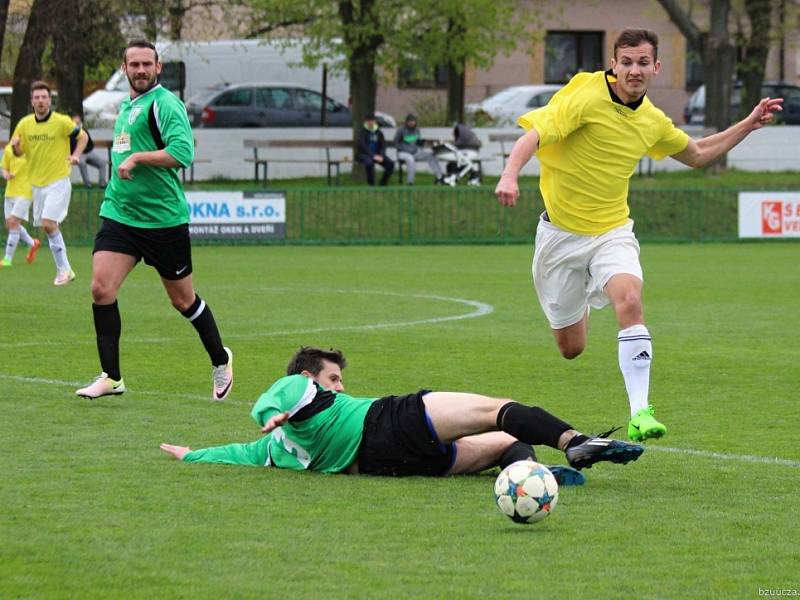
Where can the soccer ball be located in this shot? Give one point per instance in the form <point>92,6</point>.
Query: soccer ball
<point>526,491</point>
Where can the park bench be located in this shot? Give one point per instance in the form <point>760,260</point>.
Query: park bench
<point>330,158</point>
<point>505,138</point>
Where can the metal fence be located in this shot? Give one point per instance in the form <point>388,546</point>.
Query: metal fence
<point>437,215</point>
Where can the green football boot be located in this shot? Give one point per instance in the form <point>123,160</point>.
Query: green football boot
<point>6,262</point>
<point>643,426</point>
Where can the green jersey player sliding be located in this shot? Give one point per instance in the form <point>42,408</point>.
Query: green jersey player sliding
<point>311,424</point>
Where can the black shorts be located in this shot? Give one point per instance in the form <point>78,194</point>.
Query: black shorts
<point>168,249</point>
<point>399,439</point>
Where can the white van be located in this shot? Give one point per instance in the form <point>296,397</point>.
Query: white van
<point>192,68</point>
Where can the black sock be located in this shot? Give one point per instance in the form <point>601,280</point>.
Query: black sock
<point>107,327</point>
<point>578,439</point>
<point>517,451</point>
<point>531,424</point>
<point>201,317</point>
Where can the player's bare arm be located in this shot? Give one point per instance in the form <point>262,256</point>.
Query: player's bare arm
<point>80,146</point>
<point>507,190</point>
<point>8,175</point>
<point>156,158</point>
<point>16,146</point>
<point>699,153</point>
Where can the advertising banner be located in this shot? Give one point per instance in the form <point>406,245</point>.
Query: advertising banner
<point>769,214</point>
<point>229,215</point>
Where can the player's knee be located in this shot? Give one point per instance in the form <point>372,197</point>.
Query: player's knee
<point>630,306</point>
<point>102,292</point>
<point>570,350</point>
<point>181,303</point>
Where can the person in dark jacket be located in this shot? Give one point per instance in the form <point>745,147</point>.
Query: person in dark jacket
<point>372,151</point>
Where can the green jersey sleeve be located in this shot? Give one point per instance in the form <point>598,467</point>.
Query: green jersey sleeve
<point>288,394</point>
<point>173,125</point>
<point>255,454</point>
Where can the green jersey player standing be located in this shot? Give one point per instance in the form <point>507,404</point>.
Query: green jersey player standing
<point>145,216</point>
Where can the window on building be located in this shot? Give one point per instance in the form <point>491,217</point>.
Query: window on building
<point>416,74</point>
<point>570,52</point>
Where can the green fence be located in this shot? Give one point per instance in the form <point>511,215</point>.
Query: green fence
<point>426,215</point>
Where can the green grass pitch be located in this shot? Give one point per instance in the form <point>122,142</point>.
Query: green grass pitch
<point>92,509</point>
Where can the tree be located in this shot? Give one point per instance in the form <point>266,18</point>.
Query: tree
<point>755,48</point>
<point>456,34</point>
<point>29,61</point>
<point>716,53</point>
<point>69,56</point>
<point>3,20</point>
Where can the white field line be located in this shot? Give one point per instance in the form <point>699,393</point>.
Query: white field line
<point>480,309</point>
<point>746,458</point>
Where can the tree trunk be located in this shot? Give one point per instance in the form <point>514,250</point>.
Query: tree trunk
<point>3,19</point>
<point>176,12</point>
<point>751,70</point>
<point>718,65</point>
<point>362,49</point>
<point>455,75</point>
<point>69,56</point>
<point>29,61</point>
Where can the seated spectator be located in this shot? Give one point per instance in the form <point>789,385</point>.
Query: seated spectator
<point>90,156</point>
<point>372,150</point>
<point>408,142</point>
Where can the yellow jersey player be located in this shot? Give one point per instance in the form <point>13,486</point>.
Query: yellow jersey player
<point>588,139</point>
<point>17,206</point>
<point>43,138</point>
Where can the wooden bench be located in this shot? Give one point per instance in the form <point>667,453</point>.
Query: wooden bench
<point>505,138</point>
<point>332,162</point>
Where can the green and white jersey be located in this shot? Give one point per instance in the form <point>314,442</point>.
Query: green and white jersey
<point>324,428</point>
<point>154,120</point>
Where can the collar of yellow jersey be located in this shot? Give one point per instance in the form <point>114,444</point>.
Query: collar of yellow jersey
<point>611,78</point>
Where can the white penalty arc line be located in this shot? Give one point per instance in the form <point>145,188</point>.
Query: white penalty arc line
<point>746,458</point>
<point>480,309</point>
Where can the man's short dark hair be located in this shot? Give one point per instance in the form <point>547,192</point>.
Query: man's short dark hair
<point>40,85</point>
<point>309,358</point>
<point>138,44</point>
<point>630,38</point>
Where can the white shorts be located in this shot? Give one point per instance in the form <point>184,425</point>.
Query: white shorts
<point>570,270</point>
<point>17,207</point>
<point>51,201</point>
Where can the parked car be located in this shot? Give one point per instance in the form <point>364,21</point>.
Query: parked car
<point>504,107</point>
<point>694,113</point>
<point>269,105</point>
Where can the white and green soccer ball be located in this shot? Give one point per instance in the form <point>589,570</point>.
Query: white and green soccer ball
<point>526,492</point>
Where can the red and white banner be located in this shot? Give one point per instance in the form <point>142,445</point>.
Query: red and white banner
<point>769,214</point>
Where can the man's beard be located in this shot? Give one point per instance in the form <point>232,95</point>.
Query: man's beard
<point>150,84</point>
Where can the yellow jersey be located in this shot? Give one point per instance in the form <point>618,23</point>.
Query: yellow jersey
<point>45,145</point>
<point>589,146</point>
<point>20,185</point>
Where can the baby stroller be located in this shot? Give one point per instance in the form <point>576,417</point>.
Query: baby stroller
<point>461,157</point>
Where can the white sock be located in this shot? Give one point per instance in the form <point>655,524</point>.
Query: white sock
<point>59,250</point>
<point>11,243</point>
<point>635,356</point>
<point>25,236</point>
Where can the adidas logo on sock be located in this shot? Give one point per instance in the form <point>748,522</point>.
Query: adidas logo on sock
<point>643,355</point>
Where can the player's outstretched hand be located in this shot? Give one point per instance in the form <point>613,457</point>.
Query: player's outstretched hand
<point>275,422</point>
<point>177,451</point>
<point>763,112</point>
<point>507,191</point>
